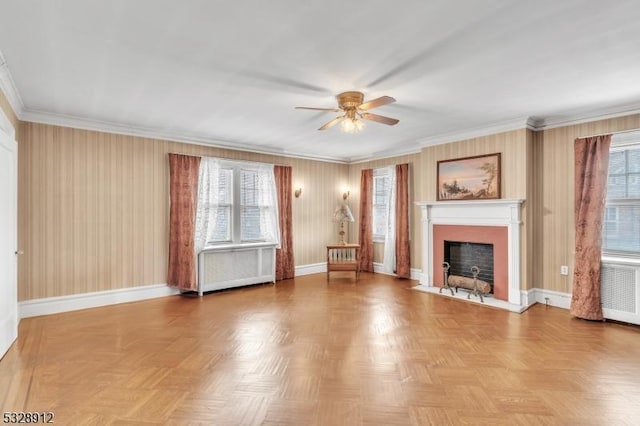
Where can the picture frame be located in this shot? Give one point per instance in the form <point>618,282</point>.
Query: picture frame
<point>469,178</point>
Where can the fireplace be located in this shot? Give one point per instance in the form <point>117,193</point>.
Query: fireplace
<point>463,255</point>
<point>488,222</point>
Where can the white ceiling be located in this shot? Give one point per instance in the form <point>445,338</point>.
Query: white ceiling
<point>231,73</point>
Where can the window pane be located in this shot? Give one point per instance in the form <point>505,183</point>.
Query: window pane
<point>225,186</point>
<point>220,224</point>
<point>633,183</point>
<point>633,160</point>
<point>616,187</point>
<point>379,220</point>
<point>249,187</point>
<point>621,230</point>
<point>380,189</point>
<point>617,163</point>
<point>622,234</point>
<point>250,219</point>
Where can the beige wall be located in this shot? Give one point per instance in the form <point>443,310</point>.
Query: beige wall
<point>514,147</point>
<point>555,178</point>
<point>93,208</point>
<point>8,111</point>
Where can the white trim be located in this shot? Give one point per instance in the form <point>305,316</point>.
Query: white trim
<point>9,88</point>
<point>476,132</point>
<point>485,213</point>
<point>109,127</point>
<point>74,302</point>
<point>552,298</point>
<point>378,268</point>
<point>464,295</point>
<point>588,117</point>
<point>416,274</point>
<point>386,154</point>
<point>7,127</point>
<point>312,268</point>
<point>528,297</point>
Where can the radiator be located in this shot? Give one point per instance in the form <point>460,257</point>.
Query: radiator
<point>233,266</point>
<point>620,288</point>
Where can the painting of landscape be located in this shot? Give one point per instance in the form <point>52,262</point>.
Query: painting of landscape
<point>471,178</point>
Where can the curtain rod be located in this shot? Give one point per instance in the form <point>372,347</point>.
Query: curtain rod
<point>609,133</point>
<point>231,159</point>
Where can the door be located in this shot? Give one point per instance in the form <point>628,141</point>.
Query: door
<point>8,239</point>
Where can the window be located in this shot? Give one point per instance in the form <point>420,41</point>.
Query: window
<point>221,218</point>
<point>381,193</point>
<point>621,231</point>
<point>238,201</point>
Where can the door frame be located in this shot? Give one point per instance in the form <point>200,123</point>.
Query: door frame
<point>7,128</point>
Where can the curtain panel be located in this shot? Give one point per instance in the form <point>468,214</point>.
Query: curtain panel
<point>366,210</point>
<point>402,247</point>
<point>183,191</point>
<point>285,265</point>
<point>590,173</point>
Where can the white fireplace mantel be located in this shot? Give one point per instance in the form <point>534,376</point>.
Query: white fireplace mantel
<point>474,213</point>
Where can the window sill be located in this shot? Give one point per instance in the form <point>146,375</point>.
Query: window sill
<point>238,246</point>
<point>619,260</point>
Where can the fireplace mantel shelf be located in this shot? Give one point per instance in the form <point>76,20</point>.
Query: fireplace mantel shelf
<point>501,212</point>
<point>468,202</point>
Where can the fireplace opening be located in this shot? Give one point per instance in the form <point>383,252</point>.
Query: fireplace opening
<point>462,256</point>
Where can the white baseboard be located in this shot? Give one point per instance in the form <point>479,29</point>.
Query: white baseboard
<point>312,268</point>
<point>528,298</point>
<point>552,298</point>
<point>416,274</point>
<point>74,302</point>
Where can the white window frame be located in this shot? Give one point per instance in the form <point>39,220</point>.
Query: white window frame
<point>378,175</point>
<point>235,216</point>
<point>623,143</point>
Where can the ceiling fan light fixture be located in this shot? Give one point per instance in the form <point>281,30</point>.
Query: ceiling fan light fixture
<point>355,111</point>
<point>352,125</point>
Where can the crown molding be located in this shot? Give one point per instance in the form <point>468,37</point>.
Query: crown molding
<point>407,150</point>
<point>108,127</point>
<point>587,117</point>
<point>476,132</point>
<point>8,87</point>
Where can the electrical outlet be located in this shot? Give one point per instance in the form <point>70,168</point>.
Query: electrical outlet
<point>564,270</point>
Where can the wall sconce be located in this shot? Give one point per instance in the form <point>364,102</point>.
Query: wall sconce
<point>345,194</point>
<point>298,192</point>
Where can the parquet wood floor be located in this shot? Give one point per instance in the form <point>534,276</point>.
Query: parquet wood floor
<point>308,352</point>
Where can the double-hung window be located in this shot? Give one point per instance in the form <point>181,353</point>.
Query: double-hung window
<point>237,203</point>
<point>621,231</point>
<point>381,191</point>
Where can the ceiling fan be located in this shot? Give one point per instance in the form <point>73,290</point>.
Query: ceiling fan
<point>355,110</point>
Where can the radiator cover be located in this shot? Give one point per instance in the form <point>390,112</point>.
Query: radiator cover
<point>620,292</point>
<point>235,265</point>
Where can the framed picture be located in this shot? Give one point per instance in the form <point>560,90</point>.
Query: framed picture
<point>470,178</point>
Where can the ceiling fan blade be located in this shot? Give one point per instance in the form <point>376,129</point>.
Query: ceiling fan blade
<point>383,100</point>
<point>320,109</point>
<point>380,119</point>
<point>332,123</point>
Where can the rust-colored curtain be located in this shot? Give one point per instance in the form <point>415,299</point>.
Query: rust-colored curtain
<point>403,255</point>
<point>183,192</point>
<point>591,165</point>
<point>366,212</point>
<point>285,266</point>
